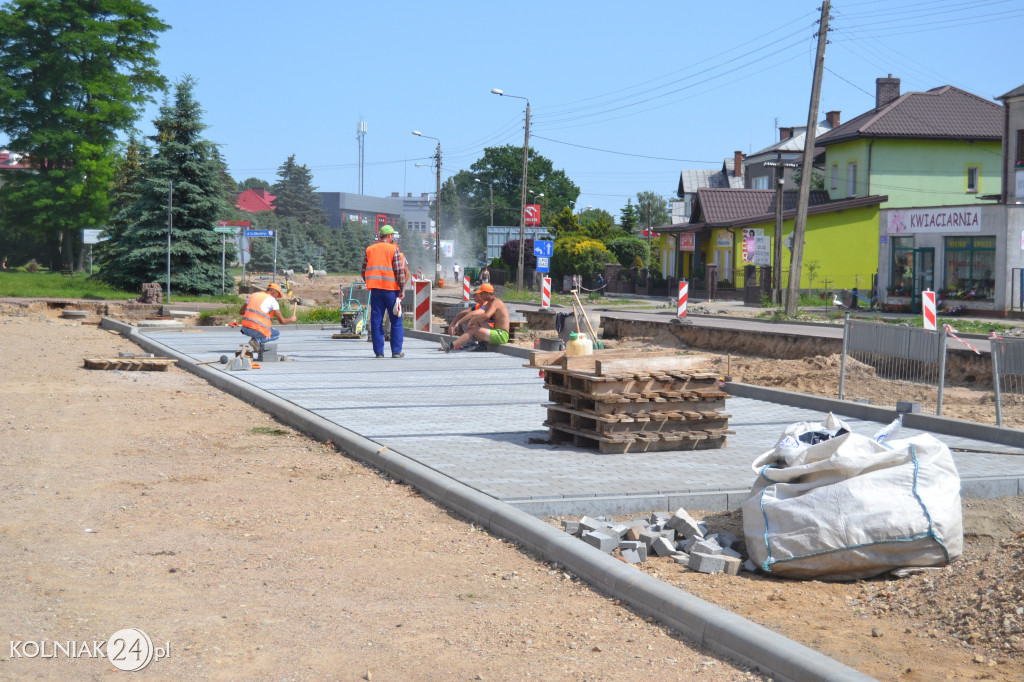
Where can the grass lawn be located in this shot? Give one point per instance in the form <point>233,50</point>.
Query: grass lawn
<point>15,284</point>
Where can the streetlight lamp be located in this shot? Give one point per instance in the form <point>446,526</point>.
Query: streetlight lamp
<point>522,213</point>
<point>537,198</point>
<point>490,190</point>
<point>437,226</point>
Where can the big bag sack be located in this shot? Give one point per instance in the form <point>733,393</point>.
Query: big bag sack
<point>849,506</point>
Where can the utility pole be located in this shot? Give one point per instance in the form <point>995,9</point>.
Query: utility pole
<point>800,222</point>
<point>437,234</point>
<point>522,213</point>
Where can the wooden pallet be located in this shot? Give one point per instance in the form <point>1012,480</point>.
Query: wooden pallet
<point>130,364</point>
<point>613,425</point>
<point>641,442</point>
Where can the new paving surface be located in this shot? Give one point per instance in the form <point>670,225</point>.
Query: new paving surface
<point>477,417</point>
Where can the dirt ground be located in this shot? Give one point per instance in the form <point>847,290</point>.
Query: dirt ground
<point>151,500</point>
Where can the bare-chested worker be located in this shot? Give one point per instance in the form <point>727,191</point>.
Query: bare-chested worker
<point>477,323</point>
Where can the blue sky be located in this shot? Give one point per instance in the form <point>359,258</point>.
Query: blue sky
<point>685,82</point>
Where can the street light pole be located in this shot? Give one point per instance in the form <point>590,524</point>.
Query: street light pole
<point>522,212</point>
<point>437,233</point>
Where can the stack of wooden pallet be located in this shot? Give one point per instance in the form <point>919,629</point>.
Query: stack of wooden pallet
<point>621,401</point>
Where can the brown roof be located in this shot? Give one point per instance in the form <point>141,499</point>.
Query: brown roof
<point>1016,92</point>
<point>739,207</point>
<point>944,112</point>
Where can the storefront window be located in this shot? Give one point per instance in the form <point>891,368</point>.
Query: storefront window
<point>970,262</point>
<point>902,266</point>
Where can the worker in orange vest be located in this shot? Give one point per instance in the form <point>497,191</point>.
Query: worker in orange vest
<point>258,315</point>
<point>384,271</point>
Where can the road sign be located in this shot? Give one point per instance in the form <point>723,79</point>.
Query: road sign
<point>92,237</point>
<point>543,264</point>
<point>259,233</point>
<point>236,223</point>
<point>227,230</point>
<point>543,248</point>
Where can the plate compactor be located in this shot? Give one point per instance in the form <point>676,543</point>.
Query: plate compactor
<point>355,312</point>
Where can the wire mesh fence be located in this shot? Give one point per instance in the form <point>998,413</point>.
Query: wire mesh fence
<point>885,364</point>
<point>1008,380</point>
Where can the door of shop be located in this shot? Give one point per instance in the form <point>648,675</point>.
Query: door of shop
<point>924,275</point>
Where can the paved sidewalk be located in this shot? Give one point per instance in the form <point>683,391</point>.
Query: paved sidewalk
<point>472,416</point>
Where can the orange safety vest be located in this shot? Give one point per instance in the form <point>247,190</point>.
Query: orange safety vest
<point>481,306</point>
<point>254,317</point>
<point>380,271</point>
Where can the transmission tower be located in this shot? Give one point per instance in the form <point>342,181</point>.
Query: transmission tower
<point>361,139</point>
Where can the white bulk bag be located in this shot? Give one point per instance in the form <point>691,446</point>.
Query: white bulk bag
<point>851,506</point>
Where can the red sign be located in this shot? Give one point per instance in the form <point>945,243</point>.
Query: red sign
<point>233,223</point>
<point>532,215</point>
<point>687,242</point>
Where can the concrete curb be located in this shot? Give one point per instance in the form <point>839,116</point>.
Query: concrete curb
<point>708,625</point>
<point>925,422</point>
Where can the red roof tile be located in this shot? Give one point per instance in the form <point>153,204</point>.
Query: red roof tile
<point>255,201</point>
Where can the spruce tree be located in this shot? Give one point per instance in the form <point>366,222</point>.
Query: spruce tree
<point>296,196</point>
<point>186,164</point>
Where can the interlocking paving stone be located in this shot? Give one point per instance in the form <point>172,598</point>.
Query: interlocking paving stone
<point>471,416</point>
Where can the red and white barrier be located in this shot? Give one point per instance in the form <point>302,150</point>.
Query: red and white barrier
<point>928,308</point>
<point>684,292</point>
<point>465,289</point>
<point>422,306</point>
<point>545,293</point>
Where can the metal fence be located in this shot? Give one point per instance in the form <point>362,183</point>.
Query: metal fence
<point>911,361</point>
<point>1008,379</point>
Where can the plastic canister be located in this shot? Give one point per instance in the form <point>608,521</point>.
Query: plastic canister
<point>579,344</point>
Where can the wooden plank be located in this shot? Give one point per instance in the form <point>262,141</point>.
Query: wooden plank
<point>129,364</point>
<point>659,364</point>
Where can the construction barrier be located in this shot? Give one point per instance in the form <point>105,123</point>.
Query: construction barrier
<point>545,293</point>
<point>684,290</point>
<point>422,306</point>
<point>928,308</point>
<point>465,288</point>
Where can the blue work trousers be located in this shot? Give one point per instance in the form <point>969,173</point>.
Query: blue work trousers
<point>382,302</point>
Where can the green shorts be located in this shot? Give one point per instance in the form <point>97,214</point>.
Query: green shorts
<point>499,336</point>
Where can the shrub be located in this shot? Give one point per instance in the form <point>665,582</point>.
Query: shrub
<point>580,256</point>
<point>628,250</point>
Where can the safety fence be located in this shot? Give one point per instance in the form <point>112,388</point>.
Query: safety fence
<point>886,364</point>
<point>1008,380</point>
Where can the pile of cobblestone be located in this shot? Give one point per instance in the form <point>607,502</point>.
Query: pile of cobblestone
<point>677,536</point>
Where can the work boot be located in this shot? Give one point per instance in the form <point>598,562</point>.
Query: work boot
<point>398,355</point>
<point>379,355</point>
<point>446,344</point>
<point>255,345</point>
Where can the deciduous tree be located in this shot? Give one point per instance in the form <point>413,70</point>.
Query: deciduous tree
<point>73,75</point>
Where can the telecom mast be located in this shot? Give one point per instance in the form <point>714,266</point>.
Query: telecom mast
<point>361,138</point>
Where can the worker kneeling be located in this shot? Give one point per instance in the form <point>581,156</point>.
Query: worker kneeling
<point>258,315</point>
<point>486,324</point>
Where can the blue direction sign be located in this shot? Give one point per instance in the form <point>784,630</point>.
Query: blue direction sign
<point>543,250</point>
<point>259,233</point>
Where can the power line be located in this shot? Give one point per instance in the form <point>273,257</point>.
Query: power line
<point>609,151</point>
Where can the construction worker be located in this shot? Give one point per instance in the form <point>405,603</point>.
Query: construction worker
<point>384,271</point>
<point>478,323</point>
<point>258,315</point>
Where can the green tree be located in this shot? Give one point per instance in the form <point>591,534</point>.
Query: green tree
<point>629,218</point>
<point>628,249</point>
<point>564,224</point>
<point>651,209</point>
<point>296,196</point>
<point>577,254</point>
<point>188,165</point>
<point>253,183</point>
<point>598,223</point>
<point>73,75</point>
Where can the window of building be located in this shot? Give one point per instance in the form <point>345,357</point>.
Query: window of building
<point>970,262</point>
<point>760,182</point>
<point>973,181</point>
<point>1019,158</point>
<point>902,283</point>
<point>835,176</point>
<point>851,179</point>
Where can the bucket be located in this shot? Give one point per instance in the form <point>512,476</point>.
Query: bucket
<point>579,344</point>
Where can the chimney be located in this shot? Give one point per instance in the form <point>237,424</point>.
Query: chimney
<point>394,194</point>
<point>832,117</point>
<point>737,163</point>
<point>785,133</point>
<point>886,90</point>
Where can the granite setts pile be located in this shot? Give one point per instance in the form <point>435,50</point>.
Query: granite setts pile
<point>677,536</point>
